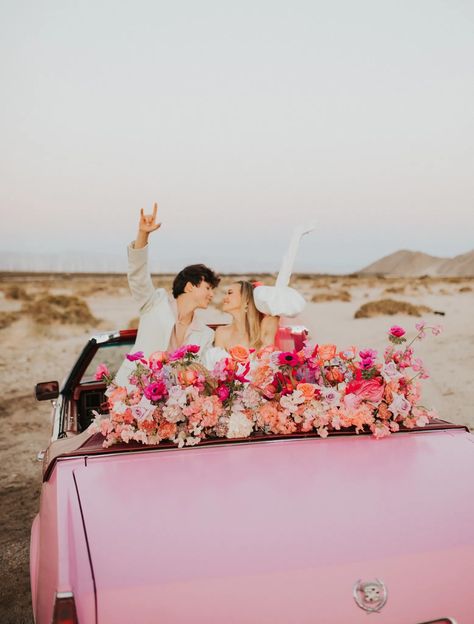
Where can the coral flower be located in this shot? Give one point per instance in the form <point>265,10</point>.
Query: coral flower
<point>326,352</point>
<point>307,390</point>
<point>239,353</point>
<point>188,377</point>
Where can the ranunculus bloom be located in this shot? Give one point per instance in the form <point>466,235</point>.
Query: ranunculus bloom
<point>133,357</point>
<point>101,372</point>
<point>307,390</point>
<point>288,358</point>
<point>397,331</point>
<point>239,353</point>
<point>187,377</point>
<point>327,351</point>
<point>370,354</point>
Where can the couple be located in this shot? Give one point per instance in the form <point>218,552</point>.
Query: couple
<point>167,323</point>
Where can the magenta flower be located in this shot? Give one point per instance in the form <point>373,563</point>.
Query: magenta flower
<point>133,357</point>
<point>288,358</point>
<point>368,354</point>
<point>183,351</point>
<point>366,363</point>
<point>155,391</point>
<point>397,331</point>
<point>223,393</point>
<point>101,372</point>
<point>193,348</point>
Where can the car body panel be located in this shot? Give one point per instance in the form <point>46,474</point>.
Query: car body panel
<point>256,530</point>
<point>63,563</point>
<point>280,531</point>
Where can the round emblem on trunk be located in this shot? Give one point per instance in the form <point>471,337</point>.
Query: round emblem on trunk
<point>370,595</point>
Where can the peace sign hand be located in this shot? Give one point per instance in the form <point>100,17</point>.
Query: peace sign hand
<point>148,222</point>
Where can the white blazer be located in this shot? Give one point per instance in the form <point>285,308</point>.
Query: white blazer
<point>158,313</point>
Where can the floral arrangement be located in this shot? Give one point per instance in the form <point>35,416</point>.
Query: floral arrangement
<point>172,396</point>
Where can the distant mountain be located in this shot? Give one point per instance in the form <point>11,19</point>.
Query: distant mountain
<point>71,262</point>
<point>415,263</point>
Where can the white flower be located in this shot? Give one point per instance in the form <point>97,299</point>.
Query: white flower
<point>173,413</point>
<point>331,396</point>
<point>399,405</point>
<point>390,372</point>
<point>119,407</point>
<point>250,397</point>
<point>239,426</point>
<point>177,397</point>
<point>291,401</point>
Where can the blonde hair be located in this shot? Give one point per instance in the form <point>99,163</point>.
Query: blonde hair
<point>253,318</point>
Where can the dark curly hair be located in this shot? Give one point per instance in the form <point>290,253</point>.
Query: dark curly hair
<point>195,273</point>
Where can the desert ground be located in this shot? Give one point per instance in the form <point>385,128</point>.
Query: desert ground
<point>46,319</point>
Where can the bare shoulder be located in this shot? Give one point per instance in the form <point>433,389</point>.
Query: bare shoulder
<point>268,329</point>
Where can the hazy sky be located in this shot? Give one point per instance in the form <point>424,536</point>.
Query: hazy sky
<point>241,119</point>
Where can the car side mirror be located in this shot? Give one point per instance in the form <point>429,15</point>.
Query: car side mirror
<point>47,390</point>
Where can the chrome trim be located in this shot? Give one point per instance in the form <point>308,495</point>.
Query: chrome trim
<point>66,594</point>
<point>100,338</point>
<point>441,621</point>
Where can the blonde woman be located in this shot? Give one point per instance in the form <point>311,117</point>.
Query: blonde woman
<point>249,328</point>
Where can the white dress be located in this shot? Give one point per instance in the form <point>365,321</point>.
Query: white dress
<point>278,300</point>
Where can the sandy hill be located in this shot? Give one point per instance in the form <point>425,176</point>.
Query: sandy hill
<point>413,263</point>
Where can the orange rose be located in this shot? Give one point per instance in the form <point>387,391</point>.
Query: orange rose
<point>326,352</point>
<point>334,375</point>
<point>239,353</point>
<point>187,377</point>
<point>307,390</point>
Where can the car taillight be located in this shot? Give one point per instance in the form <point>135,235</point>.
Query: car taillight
<point>65,609</point>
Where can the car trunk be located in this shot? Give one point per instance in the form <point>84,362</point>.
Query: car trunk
<point>281,531</point>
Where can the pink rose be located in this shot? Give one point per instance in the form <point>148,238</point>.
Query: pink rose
<point>397,331</point>
<point>368,389</point>
<point>101,372</point>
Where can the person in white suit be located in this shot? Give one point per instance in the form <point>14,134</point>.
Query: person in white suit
<point>166,322</point>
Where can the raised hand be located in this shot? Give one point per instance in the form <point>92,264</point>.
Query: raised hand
<point>148,222</point>
<point>146,225</point>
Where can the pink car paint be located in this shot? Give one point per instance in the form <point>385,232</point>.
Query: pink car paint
<point>261,532</point>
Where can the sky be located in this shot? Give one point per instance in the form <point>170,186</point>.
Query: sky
<point>242,120</point>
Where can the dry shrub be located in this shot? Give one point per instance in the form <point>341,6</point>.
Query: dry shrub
<point>133,323</point>
<point>395,290</point>
<point>7,318</point>
<point>62,309</point>
<point>465,289</point>
<point>18,293</point>
<point>338,295</point>
<point>389,307</point>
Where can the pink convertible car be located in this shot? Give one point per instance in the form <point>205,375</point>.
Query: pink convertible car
<point>267,530</point>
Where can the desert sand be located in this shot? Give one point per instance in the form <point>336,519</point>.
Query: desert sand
<point>37,346</point>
